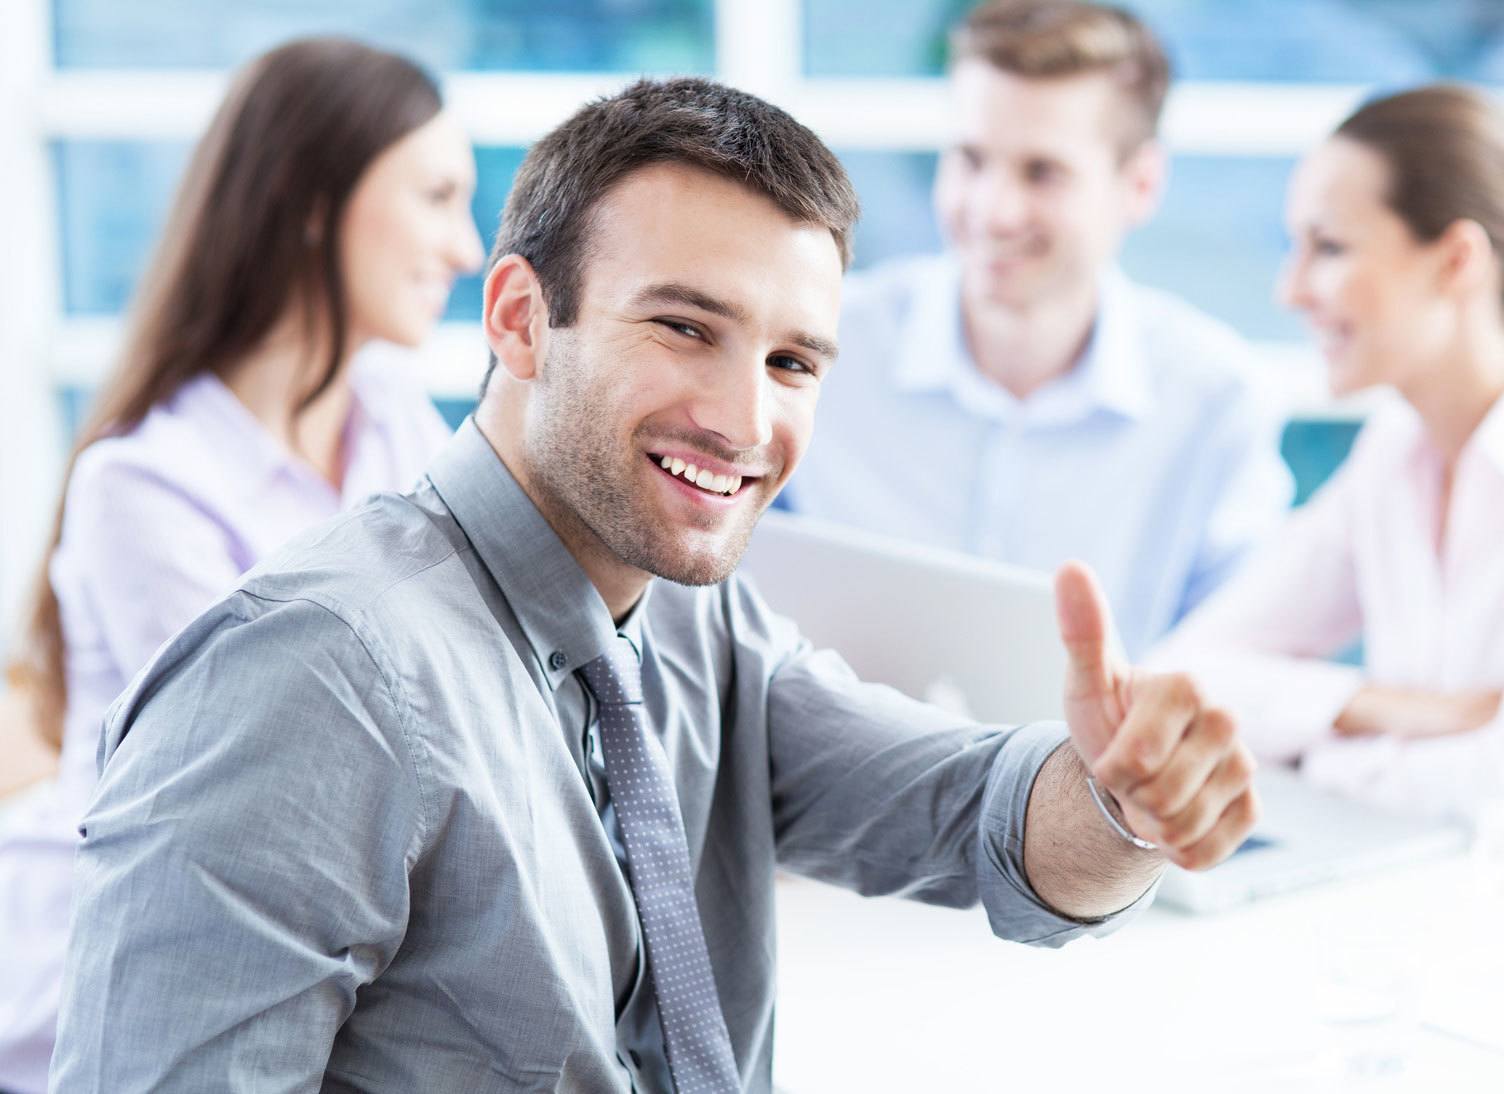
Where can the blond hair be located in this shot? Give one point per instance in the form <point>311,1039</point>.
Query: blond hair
<point>1045,39</point>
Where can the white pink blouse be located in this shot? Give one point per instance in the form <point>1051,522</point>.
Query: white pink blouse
<point>1361,561</point>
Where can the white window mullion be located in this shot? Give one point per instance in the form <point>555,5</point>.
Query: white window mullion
<point>30,434</point>
<point>759,47</point>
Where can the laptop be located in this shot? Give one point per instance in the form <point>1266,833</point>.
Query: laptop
<point>980,638</point>
<point>976,637</point>
<point>1304,837</point>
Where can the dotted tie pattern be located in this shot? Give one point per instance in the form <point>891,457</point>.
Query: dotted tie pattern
<point>647,808</point>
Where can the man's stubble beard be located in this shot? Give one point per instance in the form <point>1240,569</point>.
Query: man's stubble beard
<point>586,486</point>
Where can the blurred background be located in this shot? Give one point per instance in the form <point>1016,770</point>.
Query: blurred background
<point>101,101</point>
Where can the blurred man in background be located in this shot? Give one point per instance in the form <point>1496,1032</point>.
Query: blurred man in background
<point>1018,397</point>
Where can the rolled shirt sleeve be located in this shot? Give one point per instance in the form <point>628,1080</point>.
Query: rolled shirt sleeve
<point>243,869</point>
<point>1013,908</point>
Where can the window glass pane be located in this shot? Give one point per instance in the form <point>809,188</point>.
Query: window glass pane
<point>494,167</point>
<point>1390,42</point>
<point>113,198</point>
<point>897,218</point>
<point>877,37</point>
<point>519,35</point>
<point>1218,240</point>
<point>1221,216</point>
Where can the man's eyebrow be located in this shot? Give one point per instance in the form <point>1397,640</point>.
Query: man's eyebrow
<point>815,344</point>
<point>674,292</point>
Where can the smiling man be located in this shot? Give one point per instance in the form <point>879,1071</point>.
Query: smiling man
<point>1019,397</point>
<point>455,794</point>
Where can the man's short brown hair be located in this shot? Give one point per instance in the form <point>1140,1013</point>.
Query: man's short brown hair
<point>1041,39</point>
<point>689,121</point>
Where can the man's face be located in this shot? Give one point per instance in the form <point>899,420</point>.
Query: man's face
<point>707,317</point>
<point>1034,192</point>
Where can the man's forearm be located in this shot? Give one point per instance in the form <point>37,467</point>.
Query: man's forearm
<point>1074,860</point>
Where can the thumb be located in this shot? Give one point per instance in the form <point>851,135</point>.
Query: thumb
<point>1085,630</point>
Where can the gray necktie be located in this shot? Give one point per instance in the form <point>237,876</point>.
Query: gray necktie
<point>647,808</point>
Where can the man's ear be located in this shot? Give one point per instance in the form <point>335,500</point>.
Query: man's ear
<point>1145,172</point>
<point>515,316</point>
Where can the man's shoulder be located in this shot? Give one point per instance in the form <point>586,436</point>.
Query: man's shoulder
<point>309,604</point>
<point>893,282</point>
<point>352,562</point>
<point>1170,325</point>
<point>1191,354</point>
<point>884,310</point>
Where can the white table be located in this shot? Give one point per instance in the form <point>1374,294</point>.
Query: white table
<point>888,995</point>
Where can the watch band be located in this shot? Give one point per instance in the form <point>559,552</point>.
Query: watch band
<point>1099,796</point>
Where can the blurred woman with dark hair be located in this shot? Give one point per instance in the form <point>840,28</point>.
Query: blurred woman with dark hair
<point>1397,223</point>
<point>326,208</point>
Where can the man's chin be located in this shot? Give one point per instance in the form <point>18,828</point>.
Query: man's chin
<point>704,560</point>
<point>986,287</point>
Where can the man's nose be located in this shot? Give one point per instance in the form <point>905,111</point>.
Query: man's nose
<point>734,405</point>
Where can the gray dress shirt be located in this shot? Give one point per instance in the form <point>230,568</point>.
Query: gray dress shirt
<point>345,836</point>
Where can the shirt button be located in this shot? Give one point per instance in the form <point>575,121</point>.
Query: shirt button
<point>557,660</point>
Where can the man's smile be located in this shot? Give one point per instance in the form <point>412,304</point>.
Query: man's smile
<point>706,477</point>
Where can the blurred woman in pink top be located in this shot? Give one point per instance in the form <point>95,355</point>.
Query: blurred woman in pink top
<point>326,208</point>
<point>1397,224</point>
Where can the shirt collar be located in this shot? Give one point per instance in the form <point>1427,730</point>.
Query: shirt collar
<point>1111,374</point>
<point>1115,375</point>
<point>207,400</point>
<point>562,615</point>
<point>255,452</point>
<point>1487,440</point>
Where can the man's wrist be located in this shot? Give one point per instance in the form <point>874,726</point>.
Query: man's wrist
<point>1112,812</point>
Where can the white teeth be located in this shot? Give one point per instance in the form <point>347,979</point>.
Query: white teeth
<point>704,478</point>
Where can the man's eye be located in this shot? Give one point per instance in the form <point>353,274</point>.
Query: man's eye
<point>1040,172</point>
<point>790,364</point>
<point>682,328</point>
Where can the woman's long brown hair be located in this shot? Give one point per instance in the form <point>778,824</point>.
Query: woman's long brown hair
<point>253,231</point>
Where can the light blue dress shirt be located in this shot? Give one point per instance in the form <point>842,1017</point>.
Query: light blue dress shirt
<point>1155,459</point>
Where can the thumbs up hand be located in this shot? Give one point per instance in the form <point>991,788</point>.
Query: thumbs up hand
<point>1175,765</point>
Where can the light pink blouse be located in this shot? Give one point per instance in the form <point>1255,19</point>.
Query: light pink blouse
<point>158,525</point>
<point>1361,561</point>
